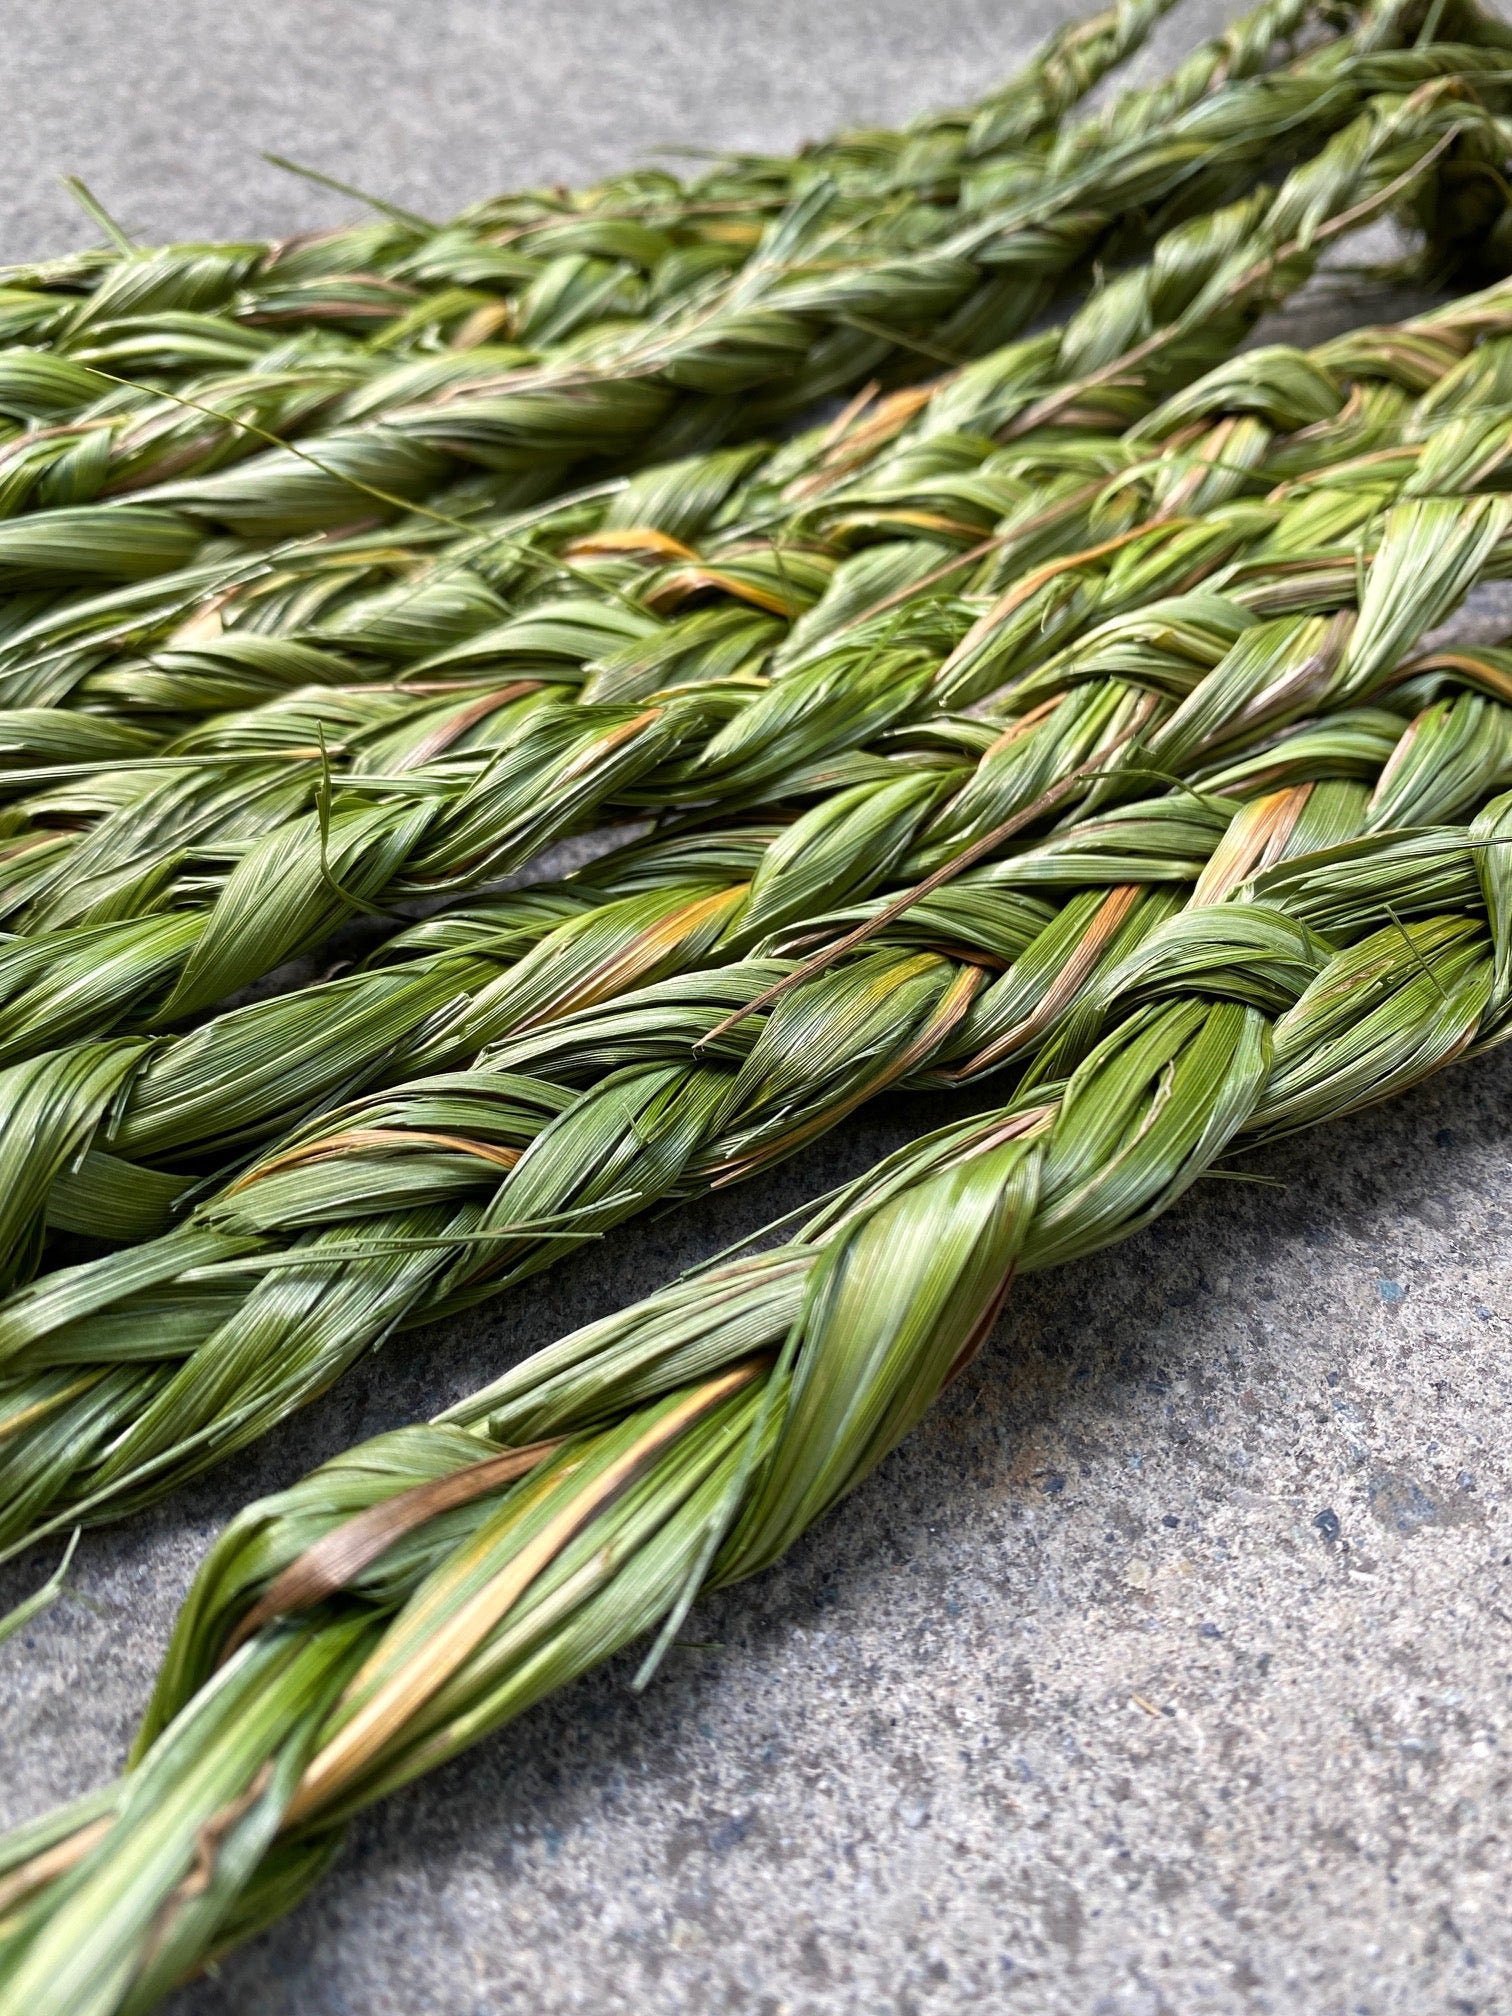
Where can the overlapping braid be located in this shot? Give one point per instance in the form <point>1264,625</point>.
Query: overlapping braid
<point>791,328</point>
<point>540,766</point>
<point>272,336</point>
<point>416,1593</point>
<point>318,596</point>
<point>1191,827</point>
<point>393,1207</point>
<point>901,812</point>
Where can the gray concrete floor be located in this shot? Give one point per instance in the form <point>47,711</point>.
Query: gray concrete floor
<point>1166,1669</point>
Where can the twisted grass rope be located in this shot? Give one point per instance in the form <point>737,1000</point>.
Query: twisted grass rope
<point>1169,304</point>
<point>551,768</point>
<point>793,327</point>
<point>273,336</point>
<point>919,811</point>
<point>910,816</point>
<point>403,1601</point>
<point>1315,917</point>
<point>1270,692</point>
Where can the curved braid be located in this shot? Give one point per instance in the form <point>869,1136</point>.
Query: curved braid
<point>308,620</point>
<point>1167,691</point>
<point>542,768</point>
<point>791,328</point>
<point>406,1204</point>
<point>220,345</point>
<point>409,1597</point>
<point>223,637</point>
<point>108,1136</point>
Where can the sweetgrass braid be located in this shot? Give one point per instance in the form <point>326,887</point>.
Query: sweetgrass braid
<point>893,814</point>
<point>1178,311</point>
<point>414,1594</point>
<point>170,1943</point>
<point>66,653</point>
<point>229,633</point>
<point>538,772</point>
<point>109,1137</point>
<point>226,653</point>
<point>134,665</point>
<point>226,1086</point>
<point>265,338</point>
<point>126,1374</point>
<point>536,260</point>
<point>793,327</point>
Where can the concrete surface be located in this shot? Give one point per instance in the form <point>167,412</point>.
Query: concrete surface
<point>165,108</point>
<point>1165,1671</point>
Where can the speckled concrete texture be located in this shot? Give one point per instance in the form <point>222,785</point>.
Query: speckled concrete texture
<point>1165,1672</point>
<point>166,106</point>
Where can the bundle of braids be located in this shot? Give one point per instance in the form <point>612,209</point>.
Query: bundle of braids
<point>1080,710</point>
<point>141,890</point>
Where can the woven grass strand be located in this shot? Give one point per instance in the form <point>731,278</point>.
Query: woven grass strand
<point>45,660</point>
<point>446,991</point>
<point>109,1138</point>
<point>274,335</point>
<point>1312,727</point>
<point>791,327</point>
<point>599,276</point>
<point>60,655</point>
<point>447,822</point>
<point>686,1442</point>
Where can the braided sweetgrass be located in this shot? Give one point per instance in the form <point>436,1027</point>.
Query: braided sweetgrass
<point>225,635</point>
<point>1216,852</point>
<point>792,327</point>
<point>151,1120</point>
<point>538,769</point>
<point>627,255</point>
<point>1313,728</point>
<point>407,1598</point>
<point>270,338</point>
<point>1154,326</point>
<point>924,805</point>
<point>222,635</point>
